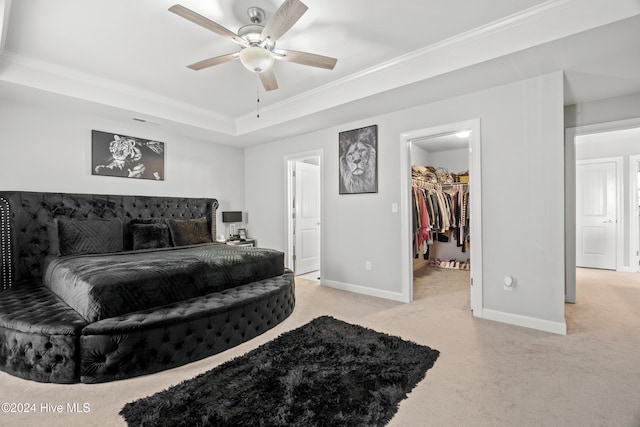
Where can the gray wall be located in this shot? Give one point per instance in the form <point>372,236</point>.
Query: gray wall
<point>602,111</point>
<point>48,148</point>
<point>522,196</point>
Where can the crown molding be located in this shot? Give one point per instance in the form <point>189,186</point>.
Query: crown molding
<point>540,24</point>
<point>546,22</point>
<point>30,72</point>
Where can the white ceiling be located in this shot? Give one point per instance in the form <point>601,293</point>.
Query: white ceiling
<point>128,58</point>
<point>438,143</point>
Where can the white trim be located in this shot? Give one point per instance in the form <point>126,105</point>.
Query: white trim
<point>634,214</point>
<point>570,193</point>
<point>618,160</point>
<point>288,200</point>
<point>559,328</point>
<point>603,127</point>
<point>475,190</point>
<point>5,13</point>
<point>363,290</point>
<point>542,23</point>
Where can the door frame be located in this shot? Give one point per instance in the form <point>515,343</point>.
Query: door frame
<point>475,191</point>
<point>634,214</point>
<point>289,240</point>
<point>570,193</point>
<point>618,160</point>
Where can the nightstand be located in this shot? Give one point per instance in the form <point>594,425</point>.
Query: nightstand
<point>247,242</point>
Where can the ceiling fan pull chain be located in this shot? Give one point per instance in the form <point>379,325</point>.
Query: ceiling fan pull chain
<point>258,95</point>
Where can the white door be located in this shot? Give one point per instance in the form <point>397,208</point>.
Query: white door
<point>307,218</point>
<point>596,214</point>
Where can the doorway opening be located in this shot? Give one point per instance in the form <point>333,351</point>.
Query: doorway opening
<point>440,189</point>
<point>451,150</point>
<point>303,210</point>
<point>587,150</point>
<point>634,211</point>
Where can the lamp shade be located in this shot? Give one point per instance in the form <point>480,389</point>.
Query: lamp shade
<point>232,216</point>
<point>256,59</point>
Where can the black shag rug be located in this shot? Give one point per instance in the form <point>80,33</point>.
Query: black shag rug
<point>325,373</point>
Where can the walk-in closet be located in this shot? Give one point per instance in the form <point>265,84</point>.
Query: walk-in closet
<point>441,215</point>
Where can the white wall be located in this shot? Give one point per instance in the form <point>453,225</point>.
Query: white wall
<point>419,156</point>
<point>523,198</point>
<point>455,161</point>
<point>621,143</point>
<point>49,149</point>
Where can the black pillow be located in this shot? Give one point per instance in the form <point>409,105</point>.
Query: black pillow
<point>152,235</point>
<point>189,232</point>
<point>90,236</point>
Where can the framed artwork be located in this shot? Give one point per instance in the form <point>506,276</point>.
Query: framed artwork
<point>358,160</point>
<point>126,156</point>
<point>242,232</point>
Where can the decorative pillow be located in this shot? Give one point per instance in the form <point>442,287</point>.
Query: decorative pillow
<point>90,236</point>
<point>189,232</point>
<point>128,231</point>
<point>150,236</point>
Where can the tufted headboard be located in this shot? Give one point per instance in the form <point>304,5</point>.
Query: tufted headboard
<point>24,216</point>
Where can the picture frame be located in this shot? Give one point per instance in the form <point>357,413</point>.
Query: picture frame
<point>358,160</point>
<point>242,232</point>
<point>126,156</point>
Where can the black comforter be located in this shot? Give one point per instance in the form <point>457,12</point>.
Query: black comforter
<point>107,285</point>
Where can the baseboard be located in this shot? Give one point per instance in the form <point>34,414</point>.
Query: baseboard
<point>395,296</point>
<point>559,328</point>
<point>627,270</point>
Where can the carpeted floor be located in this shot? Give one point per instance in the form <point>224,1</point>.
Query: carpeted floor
<point>489,374</point>
<point>325,373</point>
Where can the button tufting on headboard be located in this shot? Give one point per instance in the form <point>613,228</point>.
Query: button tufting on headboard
<point>24,216</point>
<point>5,244</point>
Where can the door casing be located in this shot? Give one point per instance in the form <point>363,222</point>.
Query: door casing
<point>475,189</point>
<point>289,161</point>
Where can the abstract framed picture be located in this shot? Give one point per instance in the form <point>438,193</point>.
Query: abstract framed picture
<point>358,160</point>
<point>126,156</point>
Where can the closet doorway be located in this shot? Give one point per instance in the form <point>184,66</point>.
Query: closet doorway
<point>442,238</point>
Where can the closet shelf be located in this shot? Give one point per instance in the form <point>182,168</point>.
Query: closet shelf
<point>437,186</point>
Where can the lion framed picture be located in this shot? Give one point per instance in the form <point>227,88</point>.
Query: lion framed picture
<point>358,160</point>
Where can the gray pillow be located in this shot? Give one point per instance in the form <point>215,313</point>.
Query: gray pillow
<point>152,235</point>
<point>189,232</point>
<point>89,236</point>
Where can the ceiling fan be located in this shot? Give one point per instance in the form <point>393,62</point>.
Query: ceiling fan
<point>258,41</point>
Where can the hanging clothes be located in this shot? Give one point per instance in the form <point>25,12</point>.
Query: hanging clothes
<point>439,215</point>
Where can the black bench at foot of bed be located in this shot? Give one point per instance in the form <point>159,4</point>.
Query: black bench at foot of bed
<point>43,339</point>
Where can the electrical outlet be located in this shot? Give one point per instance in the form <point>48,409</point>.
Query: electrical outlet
<point>367,265</point>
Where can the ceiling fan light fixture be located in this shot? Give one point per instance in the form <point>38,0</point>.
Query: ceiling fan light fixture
<point>256,59</point>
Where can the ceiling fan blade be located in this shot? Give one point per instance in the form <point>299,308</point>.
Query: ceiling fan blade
<point>305,58</point>
<point>268,79</point>
<point>207,23</point>
<point>287,14</point>
<point>217,60</point>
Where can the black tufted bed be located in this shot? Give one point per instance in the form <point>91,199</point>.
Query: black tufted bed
<point>98,288</point>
